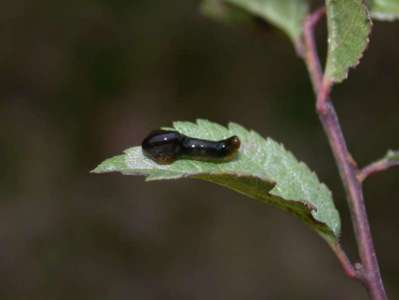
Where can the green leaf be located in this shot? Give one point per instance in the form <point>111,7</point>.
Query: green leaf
<point>263,170</point>
<point>384,10</point>
<point>392,155</point>
<point>221,11</point>
<point>349,27</point>
<point>287,15</point>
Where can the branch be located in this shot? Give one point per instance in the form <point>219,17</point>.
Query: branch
<point>346,265</point>
<point>390,160</point>
<point>368,271</point>
<point>310,53</point>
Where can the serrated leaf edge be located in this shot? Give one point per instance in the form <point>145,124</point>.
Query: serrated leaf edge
<point>353,66</point>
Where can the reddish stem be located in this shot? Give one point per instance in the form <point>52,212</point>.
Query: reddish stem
<point>376,167</point>
<point>311,58</point>
<point>346,264</point>
<point>368,272</point>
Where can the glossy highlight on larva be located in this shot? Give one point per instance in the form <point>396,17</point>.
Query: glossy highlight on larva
<point>166,146</point>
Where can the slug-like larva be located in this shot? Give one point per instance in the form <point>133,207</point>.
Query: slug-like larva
<point>165,146</point>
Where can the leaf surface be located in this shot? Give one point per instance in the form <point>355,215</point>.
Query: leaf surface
<point>384,10</point>
<point>225,12</point>
<point>287,15</point>
<point>392,155</point>
<point>349,27</point>
<point>263,170</point>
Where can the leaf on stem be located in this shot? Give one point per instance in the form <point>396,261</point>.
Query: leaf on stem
<point>287,15</point>
<point>222,11</point>
<point>384,10</point>
<point>263,170</point>
<point>349,27</point>
<point>392,155</point>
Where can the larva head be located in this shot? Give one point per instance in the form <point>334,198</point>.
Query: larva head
<point>162,146</point>
<point>235,143</point>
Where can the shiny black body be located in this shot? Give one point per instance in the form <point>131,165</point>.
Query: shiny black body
<point>164,147</point>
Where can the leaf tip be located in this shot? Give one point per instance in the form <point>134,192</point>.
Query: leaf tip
<point>113,164</point>
<point>392,155</point>
<point>99,169</point>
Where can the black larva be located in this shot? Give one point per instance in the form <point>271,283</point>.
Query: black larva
<point>164,147</point>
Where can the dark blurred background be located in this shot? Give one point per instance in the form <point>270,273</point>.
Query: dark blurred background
<point>83,80</point>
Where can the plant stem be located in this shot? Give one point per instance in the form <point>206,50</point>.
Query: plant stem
<point>346,265</point>
<point>375,167</point>
<point>369,273</point>
<point>311,58</point>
